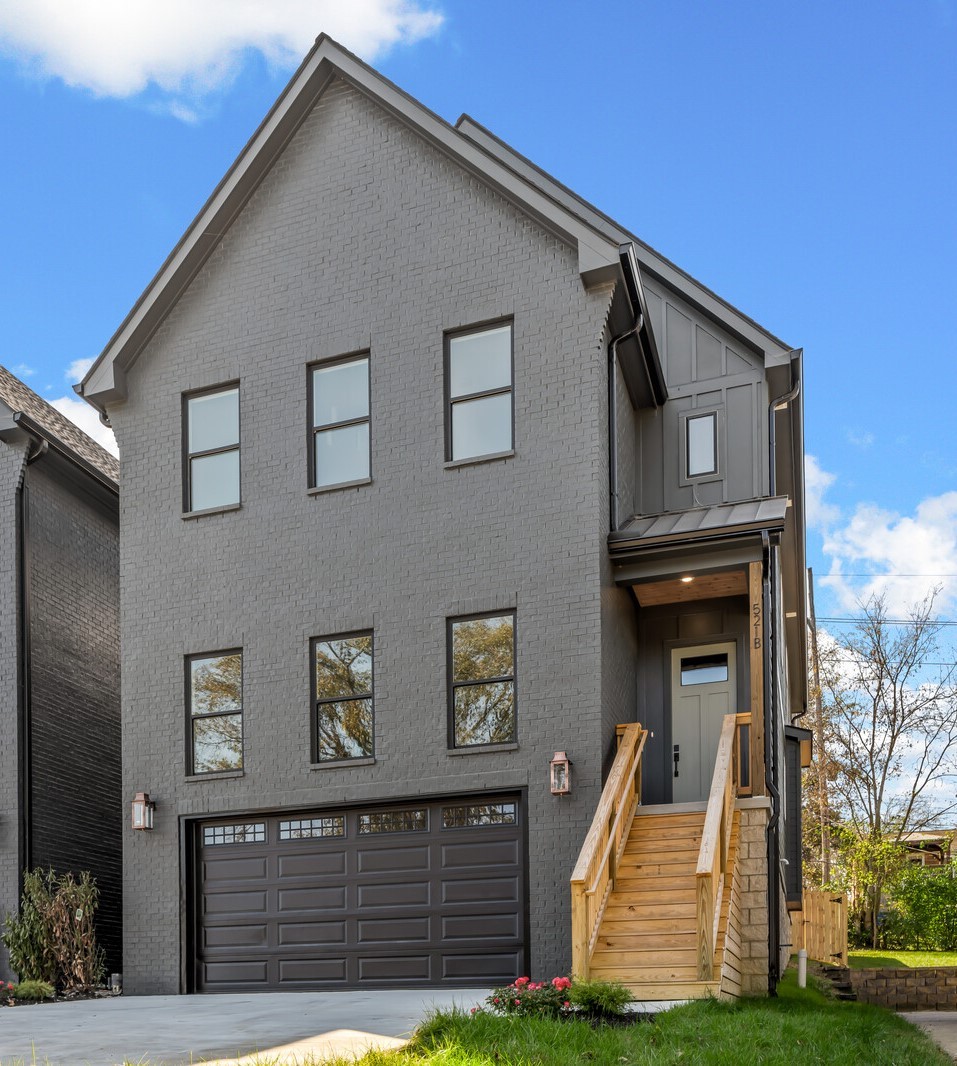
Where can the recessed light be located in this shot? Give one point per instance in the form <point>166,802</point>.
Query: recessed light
<point>687,580</point>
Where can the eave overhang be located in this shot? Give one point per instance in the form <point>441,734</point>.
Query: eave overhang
<point>598,256</point>
<point>647,379</point>
<point>16,425</point>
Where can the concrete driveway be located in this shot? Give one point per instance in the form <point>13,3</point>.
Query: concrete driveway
<point>940,1025</point>
<point>282,1027</point>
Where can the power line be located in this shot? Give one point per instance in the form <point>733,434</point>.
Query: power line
<point>824,576</point>
<point>930,623</point>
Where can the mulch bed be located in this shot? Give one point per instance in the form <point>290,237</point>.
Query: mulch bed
<point>58,997</point>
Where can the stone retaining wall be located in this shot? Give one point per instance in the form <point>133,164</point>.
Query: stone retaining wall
<point>907,989</point>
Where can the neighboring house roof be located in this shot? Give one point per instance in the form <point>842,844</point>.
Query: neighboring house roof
<point>595,237</point>
<point>46,421</point>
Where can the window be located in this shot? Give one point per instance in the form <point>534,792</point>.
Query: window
<point>212,449</point>
<point>339,422</point>
<point>476,815</point>
<point>482,680</point>
<point>215,700</point>
<point>310,828</point>
<point>701,445</point>
<point>479,382</point>
<point>416,821</point>
<point>343,720</point>
<point>250,833</point>
<point>704,669</point>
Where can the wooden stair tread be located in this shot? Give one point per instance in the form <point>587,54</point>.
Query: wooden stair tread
<point>655,990</point>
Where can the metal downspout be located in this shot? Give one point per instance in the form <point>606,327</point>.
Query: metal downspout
<point>613,419</point>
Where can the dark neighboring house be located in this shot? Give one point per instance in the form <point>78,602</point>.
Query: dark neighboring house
<point>431,473</point>
<point>59,656</point>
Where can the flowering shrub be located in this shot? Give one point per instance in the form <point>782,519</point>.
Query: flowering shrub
<point>527,998</point>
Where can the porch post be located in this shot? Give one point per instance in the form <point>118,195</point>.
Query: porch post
<point>756,657</point>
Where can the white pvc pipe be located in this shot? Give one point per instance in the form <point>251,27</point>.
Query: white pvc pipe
<point>802,968</point>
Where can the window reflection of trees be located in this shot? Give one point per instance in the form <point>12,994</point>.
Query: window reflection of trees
<point>483,681</point>
<point>343,680</point>
<point>216,692</point>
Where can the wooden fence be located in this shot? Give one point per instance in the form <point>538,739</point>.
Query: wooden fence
<point>821,927</point>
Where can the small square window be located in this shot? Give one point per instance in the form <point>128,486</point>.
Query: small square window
<point>211,439</point>
<point>339,422</point>
<point>482,680</point>
<point>343,721</point>
<point>701,445</point>
<point>479,392</point>
<point>214,685</point>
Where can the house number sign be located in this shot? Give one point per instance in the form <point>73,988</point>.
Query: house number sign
<point>756,623</point>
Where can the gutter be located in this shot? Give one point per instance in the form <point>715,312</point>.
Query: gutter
<point>50,440</point>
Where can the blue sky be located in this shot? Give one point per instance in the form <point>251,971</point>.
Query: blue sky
<point>799,159</point>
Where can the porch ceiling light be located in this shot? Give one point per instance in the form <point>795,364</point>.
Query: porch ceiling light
<point>687,579</point>
<point>142,811</point>
<point>560,775</point>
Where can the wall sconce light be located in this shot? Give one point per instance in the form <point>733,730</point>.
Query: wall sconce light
<point>560,775</point>
<point>142,811</point>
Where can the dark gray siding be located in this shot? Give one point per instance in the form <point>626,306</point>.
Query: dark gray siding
<point>706,369</point>
<point>661,629</point>
<point>363,237</point>
<point>76,809</point>
<point>791,849</point>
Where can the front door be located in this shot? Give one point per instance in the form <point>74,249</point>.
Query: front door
<point>702,693</point>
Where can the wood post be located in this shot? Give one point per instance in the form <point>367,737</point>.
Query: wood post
<point>756,660</point>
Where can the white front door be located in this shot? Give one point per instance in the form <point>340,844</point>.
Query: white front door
<point>702,693</point>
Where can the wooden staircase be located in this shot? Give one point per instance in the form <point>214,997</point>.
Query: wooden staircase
<point>653,891</point>
<point>648,935</point>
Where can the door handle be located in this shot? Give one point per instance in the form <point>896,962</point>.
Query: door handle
<point>677,757</point>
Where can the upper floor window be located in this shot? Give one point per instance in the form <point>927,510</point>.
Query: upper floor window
<point>215,703</point>
<point>482,680</point>
<point>479,387</point>
<point>212,449</point>
<point>339,422</point>
<point>700,444</point>
<point>343,724</point>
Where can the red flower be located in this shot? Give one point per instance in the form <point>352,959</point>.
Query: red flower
<point>561,983</point>
<point>566,1004</point>
<point>520,982</point>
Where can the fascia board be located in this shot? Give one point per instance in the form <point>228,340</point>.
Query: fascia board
<point>597,254</point>
<point>704,299</point>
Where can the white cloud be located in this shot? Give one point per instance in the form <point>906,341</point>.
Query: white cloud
<point>24,370</point>
<point>880,542</point>
<point>859,439</point>
<point>88,420</point>
<point>188,48</point>
<point>818,513</point>
<point>77,370</point>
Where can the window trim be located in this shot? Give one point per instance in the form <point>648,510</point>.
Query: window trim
<point>359,760</point>
<point>717,413</point>
<point>188,510</point>
<point>496,745</point>
<point>312,430</point>
<point>234,771</point>
<point>448,336</point>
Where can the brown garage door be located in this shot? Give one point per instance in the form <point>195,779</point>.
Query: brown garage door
<point>417,894</point>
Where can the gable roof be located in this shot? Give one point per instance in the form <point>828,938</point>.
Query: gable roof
<point>595,237</point>
<point>32,413</point>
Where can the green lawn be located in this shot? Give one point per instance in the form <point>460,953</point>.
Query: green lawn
<point>883,960</point>
<point>799,1026</point>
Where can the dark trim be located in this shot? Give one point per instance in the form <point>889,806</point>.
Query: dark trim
<point>646,337</point>
<point>188,456</point>
<point>189,893</point>
<point>190,717</point>
<point>452,685</point>
<point>685,418</point>
<point>34,428</point>
<point>315,761</point>
<point>24,687</point>
<point>312,429</point>
<point>449,401</point>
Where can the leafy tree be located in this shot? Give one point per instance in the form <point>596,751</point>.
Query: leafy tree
<point>889,722</point>
<point>924,909</point>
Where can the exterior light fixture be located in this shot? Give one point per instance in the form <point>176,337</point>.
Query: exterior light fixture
<point>142,811</point>
<point>687,579</point>
<point>560,775</point>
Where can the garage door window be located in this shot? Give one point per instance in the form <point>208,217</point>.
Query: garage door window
<point>343,724</point>
<point>311,828</point>
<point>478,814</point>
<point>215,702</point>
<point>394,822</point>
<point>248,833</point>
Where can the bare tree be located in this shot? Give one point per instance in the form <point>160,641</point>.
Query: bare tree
<point>889,712</point>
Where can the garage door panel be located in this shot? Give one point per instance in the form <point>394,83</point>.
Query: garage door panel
<point>390,894</point>
<point>234,902</point>
<point>383,897</point>
<point>329,898</point>
<point>389,860</point>
<point>311,864</point>
<point>394,930</point>
<point>312,934</point>
<point>481,927</point>
<point>313,971</point>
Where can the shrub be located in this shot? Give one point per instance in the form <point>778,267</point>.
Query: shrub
<point>32,991</point>
<point>601,998</point>
<point>923,913</point>
<point>53,938</point>
<point>527,998</point>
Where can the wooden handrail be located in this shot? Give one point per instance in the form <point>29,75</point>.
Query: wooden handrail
<point>743,747</point>
<point>594,876</point>
<point>715,842</point>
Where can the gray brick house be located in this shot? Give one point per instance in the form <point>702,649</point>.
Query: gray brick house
<point>430,472</point>
<point>59,655</point>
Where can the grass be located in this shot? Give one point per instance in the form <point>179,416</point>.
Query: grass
<point>883,960</point>
<point>799,1026</point>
